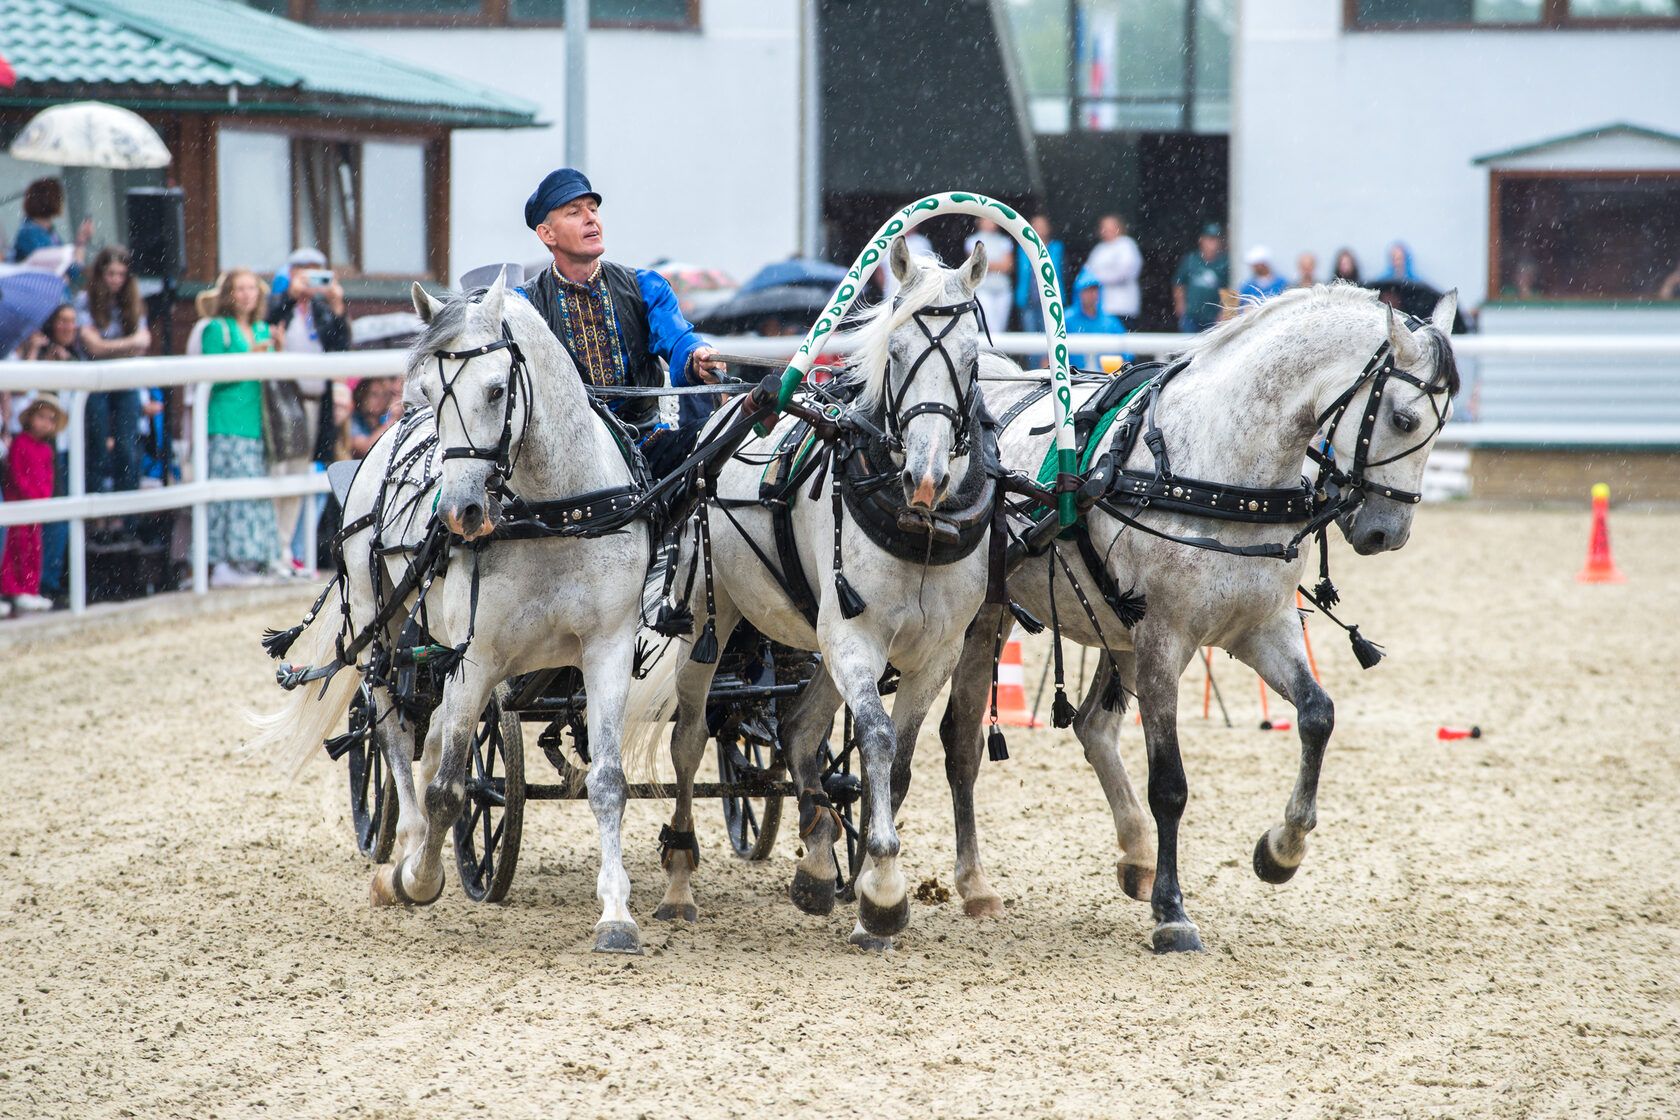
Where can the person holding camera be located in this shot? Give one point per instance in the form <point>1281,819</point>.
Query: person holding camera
<point>307,316</point>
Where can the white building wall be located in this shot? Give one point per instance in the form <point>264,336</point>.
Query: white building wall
<point>694,138</point>
<point>1361,138</point>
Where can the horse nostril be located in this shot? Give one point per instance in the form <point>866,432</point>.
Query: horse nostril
<point>472,517</point>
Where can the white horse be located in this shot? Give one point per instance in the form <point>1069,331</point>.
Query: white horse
<point>916,373</point>
<point>1257,394</point>
<point>507,403</point>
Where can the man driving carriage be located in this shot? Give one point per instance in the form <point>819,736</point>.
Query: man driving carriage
<point>616,322</point>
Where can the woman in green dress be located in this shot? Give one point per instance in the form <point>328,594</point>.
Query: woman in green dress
<point>243,537</point>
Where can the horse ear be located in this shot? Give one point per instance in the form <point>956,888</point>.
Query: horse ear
<point>904,267</point>
<point>1406,349</point>
<point>1446,312</point>
<point>974,269</point>
<point>424,305</point>
<point>493,298</point>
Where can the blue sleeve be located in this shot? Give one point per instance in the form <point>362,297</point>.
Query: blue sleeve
<point>669,334</point>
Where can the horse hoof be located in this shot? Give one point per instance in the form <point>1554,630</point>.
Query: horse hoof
<point>1267,867</point>
<point>811,894</point>
<point>983,906</point>
<point>1177,937</point>
<point>1137,881</point>
<point>387,888</point>
<point>671,911</point>
<point>618,937</point>
<point>883,921</point>
<point>868,942</point>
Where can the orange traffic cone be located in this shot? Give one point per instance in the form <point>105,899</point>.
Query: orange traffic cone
<point>1601,568</point>
<point>1011,691</point>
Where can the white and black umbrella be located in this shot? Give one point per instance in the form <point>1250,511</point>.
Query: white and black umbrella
<point>91,134</point>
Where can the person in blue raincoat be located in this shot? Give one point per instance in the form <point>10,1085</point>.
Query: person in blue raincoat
<point>1086,316</point>
<point>616,322</point>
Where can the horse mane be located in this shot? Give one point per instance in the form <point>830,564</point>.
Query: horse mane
<point>871,338</point>
<point>1436,347</point>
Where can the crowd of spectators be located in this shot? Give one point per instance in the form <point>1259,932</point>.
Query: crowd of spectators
<point>256,428</point>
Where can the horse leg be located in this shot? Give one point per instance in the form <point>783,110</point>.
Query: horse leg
<point>396,738</point>
<point>1277,651</point>
<point>1161,658</point>
<point>606,672</point>
<point>959,733</point>
<point>1099,733</point>
<point>688,747</point>
<point>883,895</point>
<point>915,696</point>
<point>802,730</point>
<point>418,877</point>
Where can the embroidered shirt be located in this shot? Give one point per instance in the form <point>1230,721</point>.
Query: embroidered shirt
<point>591,327</point>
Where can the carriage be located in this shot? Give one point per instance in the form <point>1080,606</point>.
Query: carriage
<point>752,774</point>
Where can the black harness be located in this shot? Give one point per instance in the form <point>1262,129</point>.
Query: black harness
<point>961,417</point>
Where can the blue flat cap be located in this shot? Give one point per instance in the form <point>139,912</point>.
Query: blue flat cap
<point>557,189</point>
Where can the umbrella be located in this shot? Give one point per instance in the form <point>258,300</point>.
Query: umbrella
<point>797,270</point>
<point>792,303</point>
<point>8,76</point>
<point>1415,298</point>
<point>90,134</point>
<point>27,297</point>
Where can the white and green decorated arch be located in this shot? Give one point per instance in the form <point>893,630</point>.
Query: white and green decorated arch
<point>1049,296</point>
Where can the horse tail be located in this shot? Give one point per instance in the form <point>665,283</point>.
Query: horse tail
<point>292,735</point>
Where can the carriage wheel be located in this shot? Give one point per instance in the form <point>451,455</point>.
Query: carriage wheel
<point>487,833</point>
<point>752,822</point>
<point>373,794</point>
<point>844,789</point>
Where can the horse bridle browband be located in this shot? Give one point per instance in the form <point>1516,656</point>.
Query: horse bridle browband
<point>961,417</point>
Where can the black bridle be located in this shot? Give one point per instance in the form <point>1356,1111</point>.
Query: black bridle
<point>962,416</point>
<point>1352,483</point>
<point>504,454</point>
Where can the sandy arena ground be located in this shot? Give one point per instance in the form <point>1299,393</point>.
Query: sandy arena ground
<point>1483,928</point>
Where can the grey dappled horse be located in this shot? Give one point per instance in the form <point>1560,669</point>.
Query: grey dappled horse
<point>1244,412</point>
<point>540,602</point>
<point>915,613</point>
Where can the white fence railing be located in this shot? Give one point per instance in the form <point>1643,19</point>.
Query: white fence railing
<point>199,490</point>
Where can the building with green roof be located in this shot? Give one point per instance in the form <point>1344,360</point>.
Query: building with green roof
<point>283,135</point>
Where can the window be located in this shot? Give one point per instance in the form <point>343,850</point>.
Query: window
<point>253,188</point>
<point>1416,15</point>
<point>673,14</point>
<point>1585,235</point>
<point>1163,66</point>
<point>362,203</point>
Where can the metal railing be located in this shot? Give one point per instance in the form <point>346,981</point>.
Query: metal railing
<point>200,490</point>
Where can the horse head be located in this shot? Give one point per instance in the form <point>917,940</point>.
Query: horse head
<point>474,377</point>
<point>1385,442</point>
<point>917,362</point>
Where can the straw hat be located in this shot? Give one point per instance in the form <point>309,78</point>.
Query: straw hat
<point>61,419</point>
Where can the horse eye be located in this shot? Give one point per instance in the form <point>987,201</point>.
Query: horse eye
<point>496,395</point>
<point>1405,421</point>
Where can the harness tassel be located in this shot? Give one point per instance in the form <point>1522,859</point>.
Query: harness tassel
<point>1324,591</point>
<point>1364,649</point>
<point>1027,620</point>
<point>1114,693</point>
<point>851,603</point>
<point>1062,710</point>
<point>278,642</point>
<point>996,748</point>
<point>673,619</point>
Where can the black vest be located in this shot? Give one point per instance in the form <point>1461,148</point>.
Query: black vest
<point>641,367</point>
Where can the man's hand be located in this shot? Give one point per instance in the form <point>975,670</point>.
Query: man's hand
<point>335,296</point>
<point>703,366</point>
